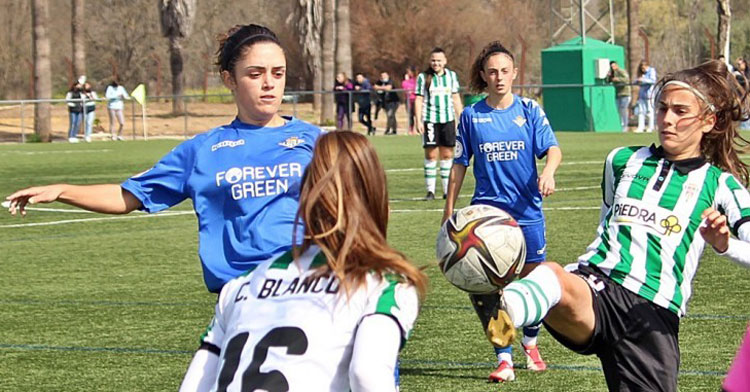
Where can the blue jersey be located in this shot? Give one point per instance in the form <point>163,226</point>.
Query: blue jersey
<point>504,144</point>
<point>244,182</point>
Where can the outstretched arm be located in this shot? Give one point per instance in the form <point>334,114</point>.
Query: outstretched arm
<point>103,198</point>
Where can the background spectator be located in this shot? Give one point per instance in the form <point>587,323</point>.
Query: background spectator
<point>363,87</point>
<point>409,84</point>
<point>75,111</point>
<point>645,104</point>
<point>342,86</point>
<point>620,79</point>
<point>90,107</point>
<point>115,95</point>
<point>384,86</point>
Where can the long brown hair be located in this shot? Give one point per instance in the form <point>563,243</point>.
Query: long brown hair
<point>722,145</point>
<point>344,207</point>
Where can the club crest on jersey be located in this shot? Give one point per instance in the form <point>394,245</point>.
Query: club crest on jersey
<point>459,149</point>
<point>519,120</point>
<point>292,142</point>
<point>690,191</point>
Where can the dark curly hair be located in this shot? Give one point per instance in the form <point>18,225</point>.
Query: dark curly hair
<point>476,83</point>
<point>237,39</point>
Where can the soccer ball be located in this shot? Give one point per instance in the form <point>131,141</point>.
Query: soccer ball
<point>481,249</point>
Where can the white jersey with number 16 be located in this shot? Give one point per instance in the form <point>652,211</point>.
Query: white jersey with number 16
<point>282,326</point>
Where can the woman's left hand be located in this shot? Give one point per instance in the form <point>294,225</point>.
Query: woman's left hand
<point>715,231</point>
<point>546,185</point>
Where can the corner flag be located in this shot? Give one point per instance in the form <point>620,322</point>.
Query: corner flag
<point>139,94</point>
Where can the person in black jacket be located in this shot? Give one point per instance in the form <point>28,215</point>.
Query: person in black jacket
<point>391,101</point>
<point>75,110</point>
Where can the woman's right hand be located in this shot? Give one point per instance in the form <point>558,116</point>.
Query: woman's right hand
<point>33,195</point>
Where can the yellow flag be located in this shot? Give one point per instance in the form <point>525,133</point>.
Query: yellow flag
<point>139,94</point>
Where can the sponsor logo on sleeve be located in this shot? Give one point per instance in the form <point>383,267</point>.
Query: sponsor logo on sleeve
<point>292,142</point>
<point>227,143</point>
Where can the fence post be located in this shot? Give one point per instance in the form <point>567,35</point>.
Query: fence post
<point>83,121</point>
<point>132,115</point>
<point>294,105</point>
<point>184,116</point>
<point>23,122</point>
<point>350,103</point>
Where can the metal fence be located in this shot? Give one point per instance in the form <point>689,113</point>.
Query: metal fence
<point>203,112</point>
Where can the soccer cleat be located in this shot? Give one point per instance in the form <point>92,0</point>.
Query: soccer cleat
<point>500,330</point>
<point>120,138</point>
<point>534,360</point>
<point>503,373</point>
<point>430,196</point>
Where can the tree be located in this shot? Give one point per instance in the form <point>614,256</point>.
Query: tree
<point>634,49</point>
<point>78,37</point>
<point>329,29</point>
<point>343,38</point>
<point>308,17</point>
<point>42,70</point>
<point>724,12</point>
<point>176,17</point>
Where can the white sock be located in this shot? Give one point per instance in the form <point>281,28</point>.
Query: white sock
<point>528,300</point>
<point>430,171</point>
<point>508,357</point>
<point>445,173</point>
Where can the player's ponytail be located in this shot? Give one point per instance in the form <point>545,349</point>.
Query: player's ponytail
<point>344,208</point>
<point>725,98</point>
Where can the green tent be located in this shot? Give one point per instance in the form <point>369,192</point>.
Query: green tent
<point>589,106</point>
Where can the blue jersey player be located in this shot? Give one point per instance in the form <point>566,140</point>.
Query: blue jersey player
<point>243,178</point>
<point>505,134</point>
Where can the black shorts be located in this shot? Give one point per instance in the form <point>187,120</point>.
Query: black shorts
<point>439,134</point>
<point>635,339</point>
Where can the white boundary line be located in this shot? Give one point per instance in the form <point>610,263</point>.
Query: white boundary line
<point>178,213</point>
<point>52,152</point>
<point>545,209</point>
<point>410,169</point>
<point>97,219</point>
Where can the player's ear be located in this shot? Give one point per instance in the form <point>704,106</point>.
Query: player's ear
<point>228,79</point>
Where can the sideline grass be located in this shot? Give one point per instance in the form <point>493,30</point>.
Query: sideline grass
<point>119,304</point>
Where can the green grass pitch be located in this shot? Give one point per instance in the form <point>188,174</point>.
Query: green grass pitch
<point>96,302</point>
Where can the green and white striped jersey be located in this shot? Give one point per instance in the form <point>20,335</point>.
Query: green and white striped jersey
<point>438,104</point>
<point>285,324</point>
<point>648,238</point>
